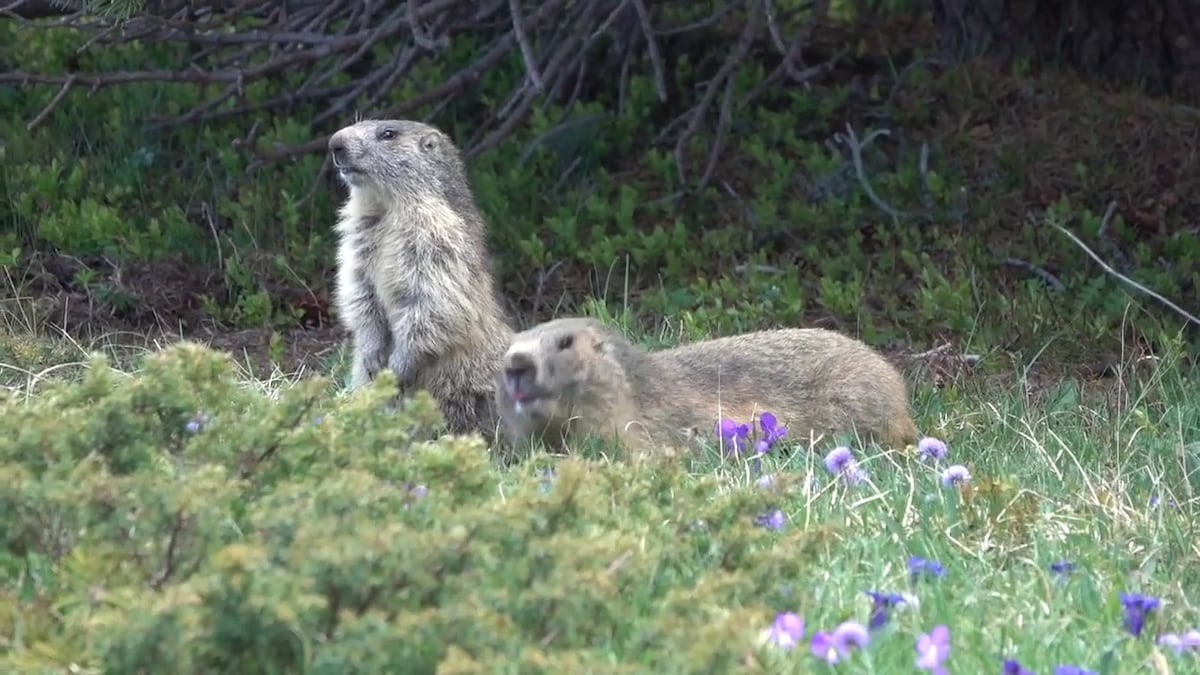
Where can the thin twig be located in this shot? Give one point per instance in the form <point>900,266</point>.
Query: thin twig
<point>856,148</point>
<point>1107,268</point>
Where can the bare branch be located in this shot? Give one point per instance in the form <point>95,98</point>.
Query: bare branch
<point>1107,268</point>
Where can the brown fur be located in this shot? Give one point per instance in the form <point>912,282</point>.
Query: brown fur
<point>414,282</point>
<point>588,380</point>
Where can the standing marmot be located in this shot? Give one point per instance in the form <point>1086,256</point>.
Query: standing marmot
<point>568,378</point>
<point>414,281</point>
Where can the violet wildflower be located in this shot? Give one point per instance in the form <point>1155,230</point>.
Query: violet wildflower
<point>1171,641</point>
<point>1157,500</point>
<point>787,630</point>
<point>1137,607</point>
<point>918,567</point>
<point>833,646</point>
<point>418,491</point>
<point>197,423</point>
<point>765,481</point>
<point>772,520</point>
<point>840,462</point>
<point>880,604</point>
<point>933,648</point>
<point>772,431</point>
<point>838,459</point>
<point>1068,669</point>
<point>1062,567</point>
<point>932,449</point>
<point>732,434</point>
<point>953,475</point>
<point>1014,667</point>
<point>1191,640</point>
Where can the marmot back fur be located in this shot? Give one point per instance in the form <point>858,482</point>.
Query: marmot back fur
<point>414,281</point>
<point>568,378</point>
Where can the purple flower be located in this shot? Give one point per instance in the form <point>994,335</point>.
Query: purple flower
<point>1062,567</point>
<point>932,449</point>
<point>197,423</point>
<point>880,604</point>
<point>1157,500</point>
<point>772,431</point>
<point>1171,641</point>
<point>1013,667</point>
<point>1067,669</point>
<point>933,648</point>
<point>772,520</point>
<point>1191,639</point>
<point>765,481</point>
<point>955,474</point>
<point>733,435</point>
<point>832,647</point>
<point>840,461</point>
<point>787,630</point>
<point>1137,607</point>
<point>918,567</point>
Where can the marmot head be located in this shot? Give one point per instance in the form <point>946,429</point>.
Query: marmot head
<point>547,369</point>
<point>396,156</point>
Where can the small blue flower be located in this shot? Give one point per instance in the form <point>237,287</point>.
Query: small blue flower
<point>918,567</point>
<point>880,604</point>
<point>932,449</point>
<point>787,630</point>
<point>933,648</point>
<point>838,459</point>
<point>832,647</point>
<point>772,431</point>
<point>772,520</point>
<point>1062,567</point>
<point>840,462</point>
<point>1067,669</point>
<point>1136,608</point>
<point>1171,641</point>
<point>953,475</point>
<point>1013,667</point>
<point>733,435</point>
<point>197,423</point>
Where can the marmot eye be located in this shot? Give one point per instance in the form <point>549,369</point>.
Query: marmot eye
<point>566,341</point>
<point>386,134</point>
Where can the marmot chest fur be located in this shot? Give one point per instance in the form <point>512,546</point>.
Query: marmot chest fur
<point>569,378</point>
<point>414,280</point>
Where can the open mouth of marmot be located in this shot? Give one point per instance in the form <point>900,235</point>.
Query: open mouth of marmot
<point>521,391</point>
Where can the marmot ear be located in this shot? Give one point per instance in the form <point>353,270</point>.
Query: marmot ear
<point>429,142</point>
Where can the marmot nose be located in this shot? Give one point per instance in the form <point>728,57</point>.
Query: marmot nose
<point>337,148</point>
<point>521,372</point>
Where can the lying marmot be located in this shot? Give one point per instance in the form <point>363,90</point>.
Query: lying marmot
<point>414,281</point>
<point>569,378</point>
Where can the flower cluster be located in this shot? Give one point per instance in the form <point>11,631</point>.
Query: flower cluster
<point>933,648</point>
<point>736,437</point>
<point>841,462</point>
<point>934,451</point>
<point>838,644</point>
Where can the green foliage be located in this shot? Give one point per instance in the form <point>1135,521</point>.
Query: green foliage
<point>784,234</point>
<point>176,520</point>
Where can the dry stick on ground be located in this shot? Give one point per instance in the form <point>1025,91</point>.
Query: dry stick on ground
<point>1107,268</point>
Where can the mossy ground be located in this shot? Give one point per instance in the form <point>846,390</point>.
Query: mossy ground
<point>285,530</point>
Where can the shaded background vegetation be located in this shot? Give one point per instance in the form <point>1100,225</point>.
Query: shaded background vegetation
<point>886,168</point>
